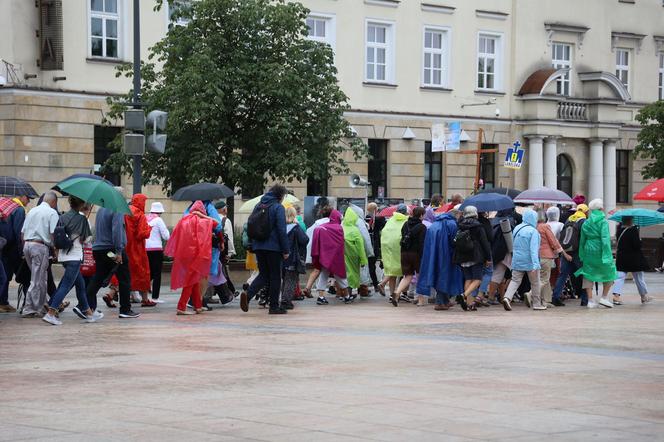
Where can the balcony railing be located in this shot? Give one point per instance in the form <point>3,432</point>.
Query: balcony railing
<point>570,110</point>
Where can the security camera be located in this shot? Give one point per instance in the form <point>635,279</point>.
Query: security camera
<point>497,112</point>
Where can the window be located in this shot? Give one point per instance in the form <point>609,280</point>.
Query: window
<point>565,174</point>
<point>379,53</point>
<point>377,168</point>
<point>562,58</point>
<point>488,62</point>
<point>622,176</point>
<point>104,26</point>
<point>177,7</point>
<point>104,135</point>
<point>321,28</point>
<point>488,166</point>
<point>622,66</point>
<point>661,76</point>
<point>435,58</point>
<point>316,187</point>
<point>433,171</point>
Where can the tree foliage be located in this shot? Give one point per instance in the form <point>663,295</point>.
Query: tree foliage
<point>248,97</point>
<point>651,139</point>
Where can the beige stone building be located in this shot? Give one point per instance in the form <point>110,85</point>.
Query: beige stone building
<point>564,78</point>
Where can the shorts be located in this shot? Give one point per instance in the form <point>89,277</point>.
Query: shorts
<point>410,263</point>
<point>474,272</point>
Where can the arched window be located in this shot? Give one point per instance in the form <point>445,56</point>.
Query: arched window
<point>565,174</point>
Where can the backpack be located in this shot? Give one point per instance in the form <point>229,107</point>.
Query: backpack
<point>498,245</point>
<point>61,239</point>
<point>463,242</point>
<point>258,224</point>
<point>406,239</point>
<point>570,236</point>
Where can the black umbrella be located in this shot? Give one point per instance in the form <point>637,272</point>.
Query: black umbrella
<point>512,193</point>
<point>80,175</point>
<point>203,192</point>
<point>12,186</point>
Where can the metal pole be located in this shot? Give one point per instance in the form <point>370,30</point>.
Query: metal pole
<point>137,166</point>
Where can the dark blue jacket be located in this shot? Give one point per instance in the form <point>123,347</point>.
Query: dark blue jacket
<point>278,241</point>
<point>297,241</point>
<point>10,229</point>
<point>436,268</point>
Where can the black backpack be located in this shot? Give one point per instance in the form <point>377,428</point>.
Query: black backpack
<point>406,239</point>
<point>463,242</point>
<point>61,239</point>
<point>570,236</point>
<point>258,224</point>
<point>498,245</point>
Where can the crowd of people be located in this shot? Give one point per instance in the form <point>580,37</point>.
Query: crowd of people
<point>446,252</point>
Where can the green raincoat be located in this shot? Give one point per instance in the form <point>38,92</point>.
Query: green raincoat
<point>390,243</point>
<point>595,249</point>
<point>354,252</point>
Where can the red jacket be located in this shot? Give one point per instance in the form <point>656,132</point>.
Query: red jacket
<point>138,231</point>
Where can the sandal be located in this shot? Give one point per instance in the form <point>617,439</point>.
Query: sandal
<point>473,307</point>
<point>616,300</point>
<point>461,300</point>
<point>307,293</point>
<point>63,306</point>
<point>109,301</point>
<point>148,303</point>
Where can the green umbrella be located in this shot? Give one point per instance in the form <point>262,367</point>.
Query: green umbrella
<point>641,217</point>
<point>95,191</point>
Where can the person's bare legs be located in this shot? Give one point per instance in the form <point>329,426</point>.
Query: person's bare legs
<point>404,284</point>
<point>392,283</point>
<point>469,288</point>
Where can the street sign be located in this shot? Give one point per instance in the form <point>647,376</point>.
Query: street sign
<point>514,156</point>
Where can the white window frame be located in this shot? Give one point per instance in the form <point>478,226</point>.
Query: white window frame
<point>564,83</point>
<point>661,75</point>
<point>105,16</point>
<point>497,61</point>
<point>444,53</point>
<point>623,67</point>
<point>390,32</point>
<point>330,21</point>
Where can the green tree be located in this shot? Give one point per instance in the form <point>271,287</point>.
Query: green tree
<point>248,97</point>
<point>651,139</point>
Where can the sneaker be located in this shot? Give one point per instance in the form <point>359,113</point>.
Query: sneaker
<point>6,308</point>
<point>606,303</point>
<point>322,300</point>
<point>129,314</point>
<point>646,299</point>
<point>287,305</point>
<point>348,299</point>
<point>157,301</point>
<point>558,303</point>
<point>539,307</point>
<point>592,304</point>
<point>96,316</point>
<point>79,313</point>
<point>527,300</point>
<point>244,301</point>
<point>277,311</point>
<point>659,269</point>
<point>507,304</point>
<point>461,300</point>
<point>405,298</point>
<point>51,319</point>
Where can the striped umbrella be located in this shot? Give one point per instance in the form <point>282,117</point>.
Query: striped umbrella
<point>12,186</point>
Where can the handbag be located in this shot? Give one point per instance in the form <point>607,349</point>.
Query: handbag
<point>89,266</point>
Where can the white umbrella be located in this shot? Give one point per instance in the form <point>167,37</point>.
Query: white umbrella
<point>543,195</point>
<point>248,207</point>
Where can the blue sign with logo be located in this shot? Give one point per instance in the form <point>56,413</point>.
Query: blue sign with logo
<point>514,156</point>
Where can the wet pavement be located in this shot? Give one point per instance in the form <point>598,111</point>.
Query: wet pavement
<point>366,371</point>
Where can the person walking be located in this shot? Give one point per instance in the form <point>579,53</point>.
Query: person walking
<point>570,238</point>
<point>457,199</point>
<point>597,264</point>
<point>525,261</point>
<point>630,259</point>
<point>271,248</point>
<point>549,250</point>
<point>376,224</point>
<point>553,220</point>
<point>390,245</point>
<point>154,246</point>
<point>328,257</point>
<point>355,254</point>
<point>229,243</point>
<point>472,252</point>
<point>12,217</point>
<point>191,249</point>
<point>37,234</point>
<point>78,230</point>
<point>413,235</point>
<point>138,230</point>
<point>294,265</point>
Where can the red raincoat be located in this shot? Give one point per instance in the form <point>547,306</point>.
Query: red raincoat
<point>138,231</point>
<point>191,248</point>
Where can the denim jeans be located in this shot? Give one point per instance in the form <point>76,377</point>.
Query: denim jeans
<point>269,275</point>
<point>639,280</point>
<point>71,278</point>
<point>567,269</point>
<point>487,273</point>
<point>442,298</point>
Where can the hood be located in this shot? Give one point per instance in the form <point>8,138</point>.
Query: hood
<point>400,216</point>
<point>335,217</point>
<point>429,215</point>
<point>530,217</point>
<point>357,210</point>
<point>198,207</point>
<point>469,223</point>
<point>269,198</point>
<point>350,217</point>
<point>445,216</point>
<point>553,214</point>
<point>138,201</point>
<point>596,216</point>
<point>412,222</point>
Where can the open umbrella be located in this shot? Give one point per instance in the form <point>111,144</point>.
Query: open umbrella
<point>80,175</point>
<point>12,186</point>
<point>512,193</point>
<point>652,192</point>
<point>248,206</point>
<point>95,191</point>
<point>489,202</point>
<point>543,195</point>
<point>389,211</point>
<point>203,192</point>
<point>642,217</point>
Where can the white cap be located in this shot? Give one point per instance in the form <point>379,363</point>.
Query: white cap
<point>157,207</point>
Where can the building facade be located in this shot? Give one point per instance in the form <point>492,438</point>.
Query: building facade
<point>563,78</point>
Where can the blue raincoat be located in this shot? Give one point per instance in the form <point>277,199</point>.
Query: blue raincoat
<point>525,254</point>
<point>436,268</point>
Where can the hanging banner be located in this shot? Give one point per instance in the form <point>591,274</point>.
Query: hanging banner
<point>514,156</point>
<point>453,136</point>
<point>437,137</point>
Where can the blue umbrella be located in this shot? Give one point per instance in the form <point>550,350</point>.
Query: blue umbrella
<point>489,202</point>
<point>661,209</point>
<point>642,217</point>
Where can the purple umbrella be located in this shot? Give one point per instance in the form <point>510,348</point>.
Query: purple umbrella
<point>543,195</point>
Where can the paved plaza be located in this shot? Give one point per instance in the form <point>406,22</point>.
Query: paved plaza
<point>366,371</point>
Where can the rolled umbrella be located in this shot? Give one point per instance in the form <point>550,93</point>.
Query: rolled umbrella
<point>12,186</point>
<point>642,217</point>
<point>203,192</point>
<point>543,195</point>
<point>512,193</point>
<point>652,192</point>
<point>248,206</point>
<point>95,191</point>
<point>80,175</point>
<point>489,202</point>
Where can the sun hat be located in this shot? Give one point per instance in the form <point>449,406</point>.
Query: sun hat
<point>157,207</point>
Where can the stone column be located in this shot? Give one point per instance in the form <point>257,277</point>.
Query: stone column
<point>535,161</point>
<point>596,170</point>
<point>550,163</point>
<point>610,175</point>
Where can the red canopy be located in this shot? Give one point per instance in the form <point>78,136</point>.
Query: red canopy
<point>652,192</point>
<point>389,211</point>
